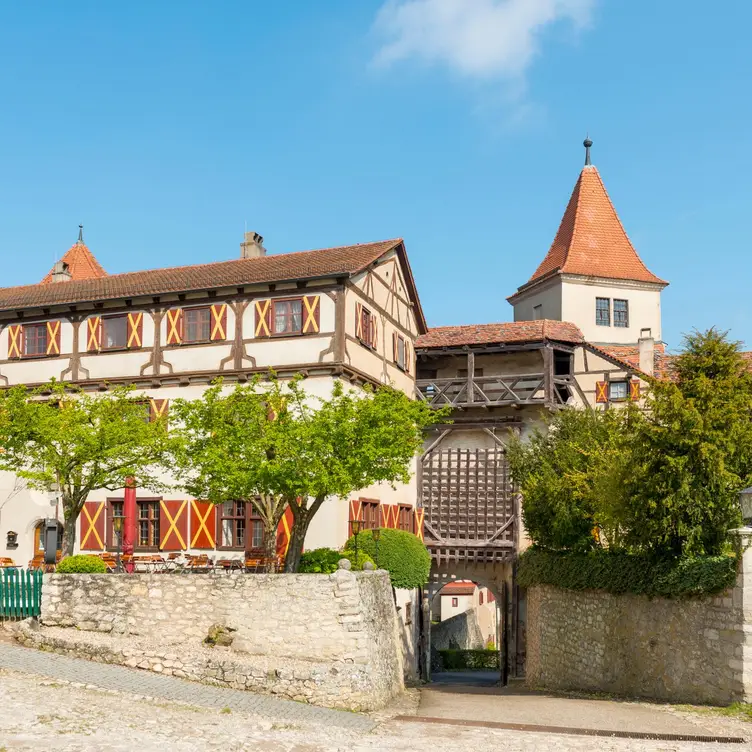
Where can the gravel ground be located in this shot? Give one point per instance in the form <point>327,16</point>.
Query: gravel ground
<point>37,713</point>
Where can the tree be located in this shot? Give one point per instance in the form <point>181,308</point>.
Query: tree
<point>563,471</point>
<point>692,453</point>
<point>59,434</point>
<point>273,445</point>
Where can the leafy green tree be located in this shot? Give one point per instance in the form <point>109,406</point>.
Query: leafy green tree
<point>273,445</point>
<point>563,471</point>
<point>692,453</point>
<point>62,435</point>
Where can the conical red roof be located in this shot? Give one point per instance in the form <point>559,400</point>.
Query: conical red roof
<point>591,240</point>
<point>81,264</point>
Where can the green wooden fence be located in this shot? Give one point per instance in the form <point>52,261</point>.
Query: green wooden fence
<point>20,593</point>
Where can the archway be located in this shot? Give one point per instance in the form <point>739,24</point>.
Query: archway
<point>39,537</point>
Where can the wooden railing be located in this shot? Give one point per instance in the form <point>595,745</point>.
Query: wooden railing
<point>507,389</point>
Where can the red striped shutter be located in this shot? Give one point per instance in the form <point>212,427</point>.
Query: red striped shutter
<point>374,332</point>
<point>284,531</point>
<point>94,334</point>
<point>173,525</point>
<point>394,516</point>
<point>311,314</point>
<point>263,318</point>
<point>135,330</point>
<point>420,515</point>
<point>355,510</point>
<point>203,524</point>
<point>383,515</point>
<point>174,326</point>
<point>53,337</point>
<point>218,323</point>
<point>634,390</point>
<point>158,408</point>
<point>92,526</point>
<point>601,391</point>
<point>15,341</point>
<point>359,321</point>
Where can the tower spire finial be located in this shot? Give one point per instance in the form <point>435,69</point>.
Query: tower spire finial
<point>81,234</point>
<point>587,143</point>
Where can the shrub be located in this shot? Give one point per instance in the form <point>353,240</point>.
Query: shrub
<point>627,573</point>
<point>479,660</point>
<point>81,564</point>
<point>326,560</point>
<point>401,553</point>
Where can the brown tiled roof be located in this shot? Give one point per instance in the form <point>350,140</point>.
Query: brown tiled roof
<point>629,357</point>
<point>512,332</point>
<point>327,262</point>
<point>591,240</point>
<point>459,587</point>
<point>81,264</point>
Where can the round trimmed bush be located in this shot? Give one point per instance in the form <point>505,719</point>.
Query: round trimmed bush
<point>81,564</point>
<point>326,560</point>
<point>401,553</point>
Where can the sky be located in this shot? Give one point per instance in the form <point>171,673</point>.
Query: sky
<point>168,128</point>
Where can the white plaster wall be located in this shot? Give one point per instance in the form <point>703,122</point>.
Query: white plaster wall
<point>547,295</point>
<point>464,603</point>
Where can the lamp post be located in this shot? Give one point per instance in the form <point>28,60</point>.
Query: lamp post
<point>355,527</point>
<point>117,525</point>
<point>376,534</point>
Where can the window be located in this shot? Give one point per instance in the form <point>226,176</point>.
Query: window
<point>148,524</point>
<point>35,339</point>
<point>455,602</point>
<point>399,355</point>
<point>405,518</point>
<point>197,324</point>
<point>603,311</point>
<point>288,316</point>
<point>621,313</point>
<point>618,390</point>
<point>369,514</point>
<point>367,328</point>
<point>538,312</point>
<point>239,527</point>
<point>116,510</point>
<point>114,332</point>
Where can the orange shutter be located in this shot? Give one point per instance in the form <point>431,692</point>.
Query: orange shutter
<point>263,318</point>
<point>135,330</point>
<point>359,321</point>
<point>374,332</point>
<point>53,337</point>
<point>218,322</point>
<point>203,524</point>
<point>634,390</point>
<point>173,525</point>
<point>601,391</point>
<point>419,517</point>
<point>174,326</point>
<point>15,340</point>
<point>394,515</point>
<point>311,314</point>
<point>92,526</point>
<point>94,334</point>
<point>158,408</point>
<point>284,531</point>
<point>383,515</point>
<point>355,509</point>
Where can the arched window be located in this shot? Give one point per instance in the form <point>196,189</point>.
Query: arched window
<point>39,537</point>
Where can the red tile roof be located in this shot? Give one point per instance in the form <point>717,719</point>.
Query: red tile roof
<point>629,357</point>
<point>328,262</point>
<point>591,240</point>
<point>459,587</point>
<point>81,264</point>
<point>512,332</point>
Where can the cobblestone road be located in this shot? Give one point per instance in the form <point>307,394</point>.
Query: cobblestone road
<point>45,713</point>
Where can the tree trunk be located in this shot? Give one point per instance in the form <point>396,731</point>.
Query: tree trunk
<point>270,546</point>
<point>302,516</point>
<point>71,512</point>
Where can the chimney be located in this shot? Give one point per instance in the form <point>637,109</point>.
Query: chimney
<point>646,347</point>
<point>252,246</point>
<point>61,272</point>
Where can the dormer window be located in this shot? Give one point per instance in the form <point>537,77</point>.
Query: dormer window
<point>603,311</point>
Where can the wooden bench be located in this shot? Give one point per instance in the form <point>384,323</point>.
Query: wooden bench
<point>6,563</point>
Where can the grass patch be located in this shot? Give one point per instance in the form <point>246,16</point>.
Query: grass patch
<point>740,710</point>
<point>225,711</point>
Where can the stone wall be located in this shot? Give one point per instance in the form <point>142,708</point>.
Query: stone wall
<point>328,639</point>
<point>682,650</point>
<point>460,632</point>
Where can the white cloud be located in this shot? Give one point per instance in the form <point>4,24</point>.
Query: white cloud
<point>482,39</point>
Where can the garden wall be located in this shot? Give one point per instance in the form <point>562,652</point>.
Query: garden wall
<point>328,639</point>
<point>680,650</point>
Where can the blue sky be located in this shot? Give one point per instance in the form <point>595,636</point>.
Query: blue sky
<point>457,124</point>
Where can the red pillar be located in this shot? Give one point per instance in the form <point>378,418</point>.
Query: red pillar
<point>129,523</point>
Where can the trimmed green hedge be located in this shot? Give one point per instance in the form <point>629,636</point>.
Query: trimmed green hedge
<point>474,660</point>
<point>81,564</point>
<point>619,573</point>
<point>401,553</point>
<point>326,560</point>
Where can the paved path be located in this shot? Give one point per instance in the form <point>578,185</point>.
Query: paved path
<point>171,688</point>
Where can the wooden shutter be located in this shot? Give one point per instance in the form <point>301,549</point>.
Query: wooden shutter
<point>383,515</point>
<point>634,390</point>
<point>395,347</point>
<point>173,525</point>
<point>92,526</point>
<point>355,510</point>
<point>408,356</point>
<point>218,323</point>
<point>601,391</point>
<point>359,321</point>
<point>311,314</point>
<point>135,336</point>
<point>174,326</point>
<point>374,332</point>
<point>418,522</point>
<point>158,408</point>
<point>15,341</point>
<point>94,334</point>
<point>203,524</point>
<point>53,337</point>
<point>394,516</point>
<point>263,318</point>
<point>284,530</point>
